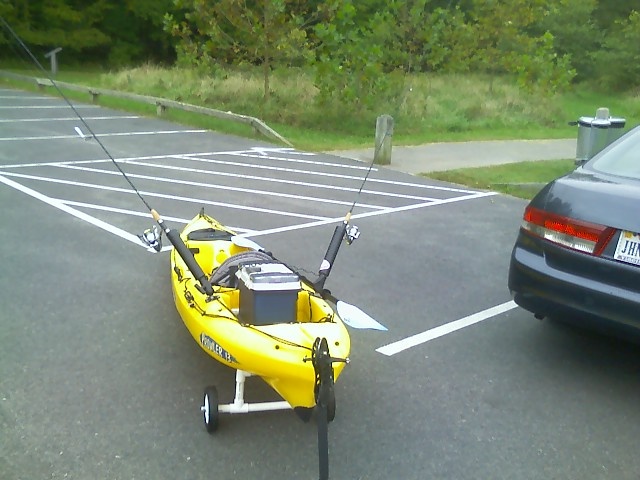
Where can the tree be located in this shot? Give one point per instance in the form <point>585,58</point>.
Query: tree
<point>349,60</point>
<point>619,58</point>
<point>505,43</point>
<point>428,37</point>
<point>71,24</point>
<point>269,33</point>
<point>575,31</point>
<point>136,33</point>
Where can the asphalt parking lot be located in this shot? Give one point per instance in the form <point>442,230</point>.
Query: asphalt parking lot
<point>99,378</point>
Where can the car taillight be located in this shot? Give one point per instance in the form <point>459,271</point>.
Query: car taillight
<point>582,236</point>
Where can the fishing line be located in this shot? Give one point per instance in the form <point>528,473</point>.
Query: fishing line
<point>350,233</point>
<point>86,125</point>
<point>364,180</point>
<point>150,237</point>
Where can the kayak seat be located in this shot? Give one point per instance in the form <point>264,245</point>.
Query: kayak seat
<point>209,234</point>
<point>225,274</point>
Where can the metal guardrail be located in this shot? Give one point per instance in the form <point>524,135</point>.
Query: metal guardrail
<point>162,104</point>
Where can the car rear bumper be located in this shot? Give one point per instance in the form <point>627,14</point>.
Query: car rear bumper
<point>547,290</point>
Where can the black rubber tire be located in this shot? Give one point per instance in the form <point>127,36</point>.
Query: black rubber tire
<point>210,412</point>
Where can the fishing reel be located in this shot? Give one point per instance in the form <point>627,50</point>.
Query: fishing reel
<point>351,234</point>
<point>152,237</point>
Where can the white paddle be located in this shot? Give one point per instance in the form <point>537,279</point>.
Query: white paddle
<point>356,318</point>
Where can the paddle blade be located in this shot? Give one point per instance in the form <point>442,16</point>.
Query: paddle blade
<point>246,243</point>
<point>356,318</point>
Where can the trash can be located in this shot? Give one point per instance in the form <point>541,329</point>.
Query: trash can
<point>595,133</point>
<point>616,129</point>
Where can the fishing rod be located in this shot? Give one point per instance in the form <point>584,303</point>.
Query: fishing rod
<point>321,359</point>
<point>150,237</point>
<point>349,233</point>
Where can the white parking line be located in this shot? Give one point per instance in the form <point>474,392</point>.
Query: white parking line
<point>220,187</point>
<point>68,119</point>
<point>323,174</point>
<point>267,156</point>
<point>101,135</point>
<point>35,107</point>
<point>262,154</point>
<point>275,180</point>
<point>72,211</point>
<point>180,156</point>
<point>199,201</point>
<point>420,338</point>
<point>134,213</point>
<point>25,97</point>
<point>328,221</point>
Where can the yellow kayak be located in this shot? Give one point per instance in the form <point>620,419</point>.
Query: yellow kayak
<point>261,318</point>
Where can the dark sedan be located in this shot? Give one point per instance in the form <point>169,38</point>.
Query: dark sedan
<point>577,256</point>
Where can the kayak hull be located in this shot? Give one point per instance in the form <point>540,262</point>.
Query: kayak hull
<point>279,353</point>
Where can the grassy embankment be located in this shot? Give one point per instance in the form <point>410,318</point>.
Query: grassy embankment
<point>427,108</point>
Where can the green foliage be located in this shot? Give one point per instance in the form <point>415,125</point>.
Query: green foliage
<point>135,30</point>
<point>575,33</point>
<point>270,33</point>
<point>353,45</point>
<point>349,60</point>
<point>425,39</point>
<point>57,23</point>
<point>620,57</point>
<point>543,69</point>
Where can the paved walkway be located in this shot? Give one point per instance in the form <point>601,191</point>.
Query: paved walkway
<point>447,156</point>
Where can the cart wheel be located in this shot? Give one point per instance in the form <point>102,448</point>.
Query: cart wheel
<point>210,409</point>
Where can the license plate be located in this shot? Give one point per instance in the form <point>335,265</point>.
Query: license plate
<point>628,248</point>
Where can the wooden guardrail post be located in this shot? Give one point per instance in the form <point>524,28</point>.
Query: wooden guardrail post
<point>160,108</point>
<point>94,96</point>
<point>384,134</point>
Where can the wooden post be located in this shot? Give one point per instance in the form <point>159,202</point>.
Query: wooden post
<point>160,108</point>
<point>54,60</point>
<point>384,133</point>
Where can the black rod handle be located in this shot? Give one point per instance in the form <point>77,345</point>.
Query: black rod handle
<point>186,254</point>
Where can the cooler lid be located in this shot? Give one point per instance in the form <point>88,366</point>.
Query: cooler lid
<point>268,277</point>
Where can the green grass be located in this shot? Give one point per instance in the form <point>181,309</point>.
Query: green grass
<point>426,108</point>
<point>522,180</point>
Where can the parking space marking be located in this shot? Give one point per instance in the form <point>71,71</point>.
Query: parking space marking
<point>288,159</point>
<point>199,201</point>
<point>101,135</point>
<point>219,187</point>
<point>262,155</point>
<point>389,210</point>
<point>24,97</point>
<point>276,180</point>
<point>68,119</point>
<point>72,211</point>
<point>268,153</point>
<point>135,213</point>
<point>325,174</point>
<point>391,182</point>
<point>190,155</point>
<point>420,338</point>
<point>36,107</point>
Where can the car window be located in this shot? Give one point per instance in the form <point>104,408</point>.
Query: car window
<point>621,158</point>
